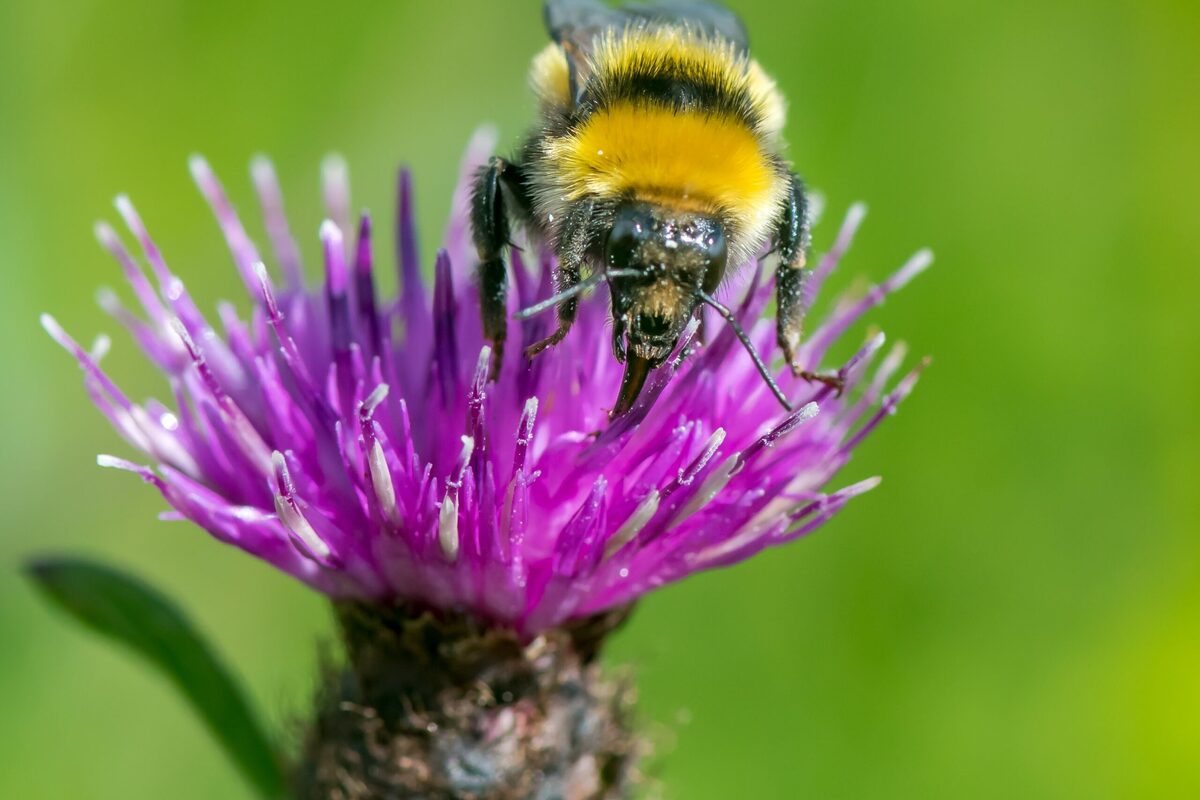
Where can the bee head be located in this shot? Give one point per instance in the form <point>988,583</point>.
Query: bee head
<point>659,258</point>
<point>665,256</point>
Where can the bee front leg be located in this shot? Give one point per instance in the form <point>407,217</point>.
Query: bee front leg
<point>572,246</point>
<point>565,277</point>
<point>793,241</point>
<point>491,229</point>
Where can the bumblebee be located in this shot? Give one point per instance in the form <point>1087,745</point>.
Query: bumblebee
<point>657,162</point>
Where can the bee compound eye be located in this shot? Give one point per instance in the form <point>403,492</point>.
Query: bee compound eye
<point>713,241</point>
<point>629,229</point>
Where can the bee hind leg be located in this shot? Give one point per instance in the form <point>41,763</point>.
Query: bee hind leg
<point>491,230</point>
<point>793,242</point>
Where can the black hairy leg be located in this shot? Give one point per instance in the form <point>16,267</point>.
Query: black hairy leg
<point>573,243</point>
<point>793,241</point>
<point>491,228</point>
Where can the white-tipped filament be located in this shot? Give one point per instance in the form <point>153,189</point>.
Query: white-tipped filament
<point>633,526</point>
<point>289,510</point>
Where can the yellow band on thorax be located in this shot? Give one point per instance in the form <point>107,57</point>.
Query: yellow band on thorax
<point>708,161</point>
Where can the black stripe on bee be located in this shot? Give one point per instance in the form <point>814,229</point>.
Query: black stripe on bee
<point>677,92</point>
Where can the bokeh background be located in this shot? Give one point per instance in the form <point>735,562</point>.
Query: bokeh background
<point>1015,612</point>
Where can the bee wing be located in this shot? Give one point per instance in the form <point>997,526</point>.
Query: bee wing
<point>711,19</point>
<point>576,24</point>
<point>580,21</point>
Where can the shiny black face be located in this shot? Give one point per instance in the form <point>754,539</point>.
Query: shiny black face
<point>659,260</point>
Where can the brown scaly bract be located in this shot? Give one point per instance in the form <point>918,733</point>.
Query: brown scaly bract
<point>441,707</point>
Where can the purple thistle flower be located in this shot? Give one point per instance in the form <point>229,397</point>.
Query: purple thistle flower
<point>357,444</point>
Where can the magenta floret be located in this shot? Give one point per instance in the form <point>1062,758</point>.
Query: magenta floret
<point>356,443</point>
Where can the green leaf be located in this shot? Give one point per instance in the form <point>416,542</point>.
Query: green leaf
<point>126,610</point>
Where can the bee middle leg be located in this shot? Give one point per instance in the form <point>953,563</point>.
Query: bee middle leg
<point>793,240</point>
<point>492,231</point>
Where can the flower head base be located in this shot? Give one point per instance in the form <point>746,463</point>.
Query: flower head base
<point>359,446</point>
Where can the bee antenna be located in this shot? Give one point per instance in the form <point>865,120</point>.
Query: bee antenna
<point>561,297</point>
<point>729,317</point>
<point>574,291</point>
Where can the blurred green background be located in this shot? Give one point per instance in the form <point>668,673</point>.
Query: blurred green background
<point>1014,613</point>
